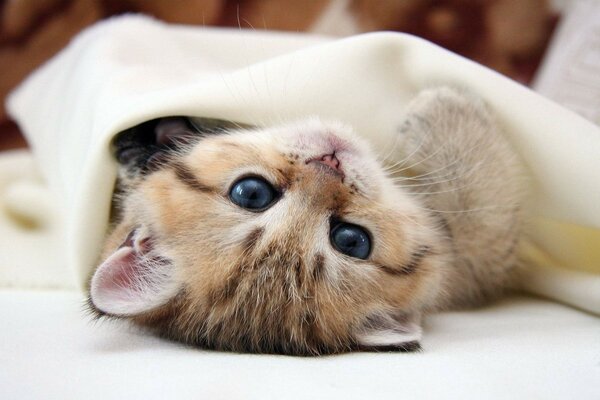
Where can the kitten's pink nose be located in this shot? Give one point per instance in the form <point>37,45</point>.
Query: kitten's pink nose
<point>331,161</point>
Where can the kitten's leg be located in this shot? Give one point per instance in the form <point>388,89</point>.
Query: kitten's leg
<point>466,173</point>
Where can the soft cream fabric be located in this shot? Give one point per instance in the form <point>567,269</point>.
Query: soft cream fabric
<point>131,69</point>
<point>521,348</point>
<point>32,253</point>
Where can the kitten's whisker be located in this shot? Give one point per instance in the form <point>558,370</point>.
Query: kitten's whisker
<point>237,97</point>
<point>437,191</point>
<point>238,126</point>
<point>469,210</point>
<point>400,164</point>
<point>237,15</point>
<point>415,151</point>
<point>454,189</point>
<point>429,183</point>
<point>425,176</point>
<point>442,147</point>
<point>420,161</point>
<point>435,153</point>
<point>383,159</point>
<point>396,171</point>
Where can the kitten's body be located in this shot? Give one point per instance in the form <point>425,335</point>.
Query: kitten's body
<point>444,225</point>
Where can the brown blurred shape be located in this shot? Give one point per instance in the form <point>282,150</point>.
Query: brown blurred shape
<point>507,35</point>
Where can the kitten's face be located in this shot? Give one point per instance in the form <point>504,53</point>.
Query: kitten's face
<point>287,240</point>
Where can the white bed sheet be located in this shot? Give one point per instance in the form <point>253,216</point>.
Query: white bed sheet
<point>520,348</point>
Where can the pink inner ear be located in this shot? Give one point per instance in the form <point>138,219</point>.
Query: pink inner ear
<point>172,130</point>
<point>129,283</point>
<point>121,274</point>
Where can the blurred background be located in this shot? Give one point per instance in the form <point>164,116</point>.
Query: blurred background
<point>551,45</point>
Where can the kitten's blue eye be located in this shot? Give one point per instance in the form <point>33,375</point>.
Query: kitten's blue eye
<point>351,240</point>
<point>252,193</point>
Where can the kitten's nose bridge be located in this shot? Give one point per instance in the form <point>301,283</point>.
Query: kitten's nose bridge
<point>322,186</point>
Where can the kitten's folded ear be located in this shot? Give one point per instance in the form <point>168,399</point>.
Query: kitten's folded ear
<point>132,280</point>
<point>173,131</point>
<point>151,142</point>
<point>390,332</point>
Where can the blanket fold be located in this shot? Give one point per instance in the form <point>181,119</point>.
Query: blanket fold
<point>124,71</point>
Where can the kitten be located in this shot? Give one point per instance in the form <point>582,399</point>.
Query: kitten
<point>295,239</point>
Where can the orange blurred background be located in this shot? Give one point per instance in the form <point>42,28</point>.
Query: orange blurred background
<point>509,36</point>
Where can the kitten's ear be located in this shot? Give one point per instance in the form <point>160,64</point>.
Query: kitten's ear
<point>152,141</point>
<point>390,332</point>
<point>173,131</point>
<point>130,282</point>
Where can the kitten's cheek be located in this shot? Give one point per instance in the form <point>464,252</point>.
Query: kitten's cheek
<point>129,283</point>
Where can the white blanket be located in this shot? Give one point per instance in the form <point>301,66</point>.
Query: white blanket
<point>518,349</point>
<point>131,69</point>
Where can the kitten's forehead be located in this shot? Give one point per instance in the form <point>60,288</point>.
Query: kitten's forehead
<point>280,154</point>
<point>219,160</point>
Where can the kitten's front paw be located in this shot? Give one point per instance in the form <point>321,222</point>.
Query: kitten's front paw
<point>437,122</point>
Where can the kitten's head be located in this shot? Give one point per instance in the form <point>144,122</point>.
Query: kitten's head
<point>283,240</point>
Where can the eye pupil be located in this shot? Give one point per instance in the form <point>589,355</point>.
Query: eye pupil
<point>351,240</point>
<point>252,193</point>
